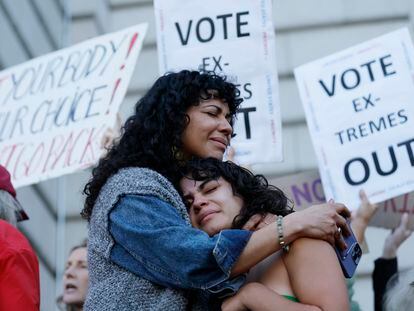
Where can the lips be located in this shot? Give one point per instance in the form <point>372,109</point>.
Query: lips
<point>221,141</point>
<point>70,287</point>
<point>204,215</point>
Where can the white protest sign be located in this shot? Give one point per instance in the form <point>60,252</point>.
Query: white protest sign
<point>360,113</point>
<point>305,189</point>
<point>54,109</point>
<point>235,38</point>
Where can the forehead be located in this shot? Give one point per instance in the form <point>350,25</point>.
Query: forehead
<point>78,254</point>
<point>216,102</point>
<point>188,185</point>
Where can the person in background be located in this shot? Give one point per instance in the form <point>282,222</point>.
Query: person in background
<point>400,297</point>
<point>385,267</point>
<point>385,272</point>
<point>75,279</point>
<point>19,266</point>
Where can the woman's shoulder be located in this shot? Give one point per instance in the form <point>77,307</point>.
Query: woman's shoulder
<point>142,181</point>
<point>140,176</point>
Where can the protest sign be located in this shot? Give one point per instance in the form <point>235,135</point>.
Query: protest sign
<point>54,109</point>
<point>305,189</point>
<point>235,40</point>
<point>359,110</point>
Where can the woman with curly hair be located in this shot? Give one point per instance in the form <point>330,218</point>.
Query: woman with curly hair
<point>222,195</point>
<point>143,253</point>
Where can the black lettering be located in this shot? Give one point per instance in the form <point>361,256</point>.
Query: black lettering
<point>385,65</point>
<point>330,92</point>
<point>224,19</point>
<point>369,69</point>
<point>368,101</point>
<point>239,24</point>
<point>351,133</point>
<point>391,119</point>
<point>248,91</point>
<point>357,104</point>
<point>403,117</point>
<point>366,171</point>
<point>356,82</point>
<point>362,130</point>
<point>184,41</point>
<point>407,145</point>
<point>245,112</point>
<point>393,159</point>
<point>339,134</point>
<point>212,29</point>
<point>381,124</point>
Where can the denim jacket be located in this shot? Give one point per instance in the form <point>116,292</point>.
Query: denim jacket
<point>153,241</point>
<point>143,253</point>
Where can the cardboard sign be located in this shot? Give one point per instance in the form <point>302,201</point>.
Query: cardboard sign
<point>54,109</point>
<point>305,189</point>
<point>236,40</point>
<point>360,113</point>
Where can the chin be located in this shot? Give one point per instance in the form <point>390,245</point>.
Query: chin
<point>72,300</point>
<point>211,231</point>
<point>214,154</point>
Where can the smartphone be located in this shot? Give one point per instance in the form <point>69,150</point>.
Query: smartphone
<point>349,257</point>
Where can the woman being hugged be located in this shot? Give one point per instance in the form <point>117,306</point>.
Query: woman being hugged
<point>143,253</point>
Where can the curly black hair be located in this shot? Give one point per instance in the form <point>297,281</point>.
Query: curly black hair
<point>258,196</point>
<point>152,135</point>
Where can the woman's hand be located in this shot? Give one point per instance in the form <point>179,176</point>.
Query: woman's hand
<point>318,222</point>
<point>396,238</point>
<point>362,216</point>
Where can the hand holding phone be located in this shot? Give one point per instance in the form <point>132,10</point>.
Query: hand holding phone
<point>349,257</point>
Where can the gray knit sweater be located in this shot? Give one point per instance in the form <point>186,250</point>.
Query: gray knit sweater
<point>112,287</point>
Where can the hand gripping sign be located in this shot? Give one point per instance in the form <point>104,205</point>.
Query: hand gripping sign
<point>237,41</point>
<point>54,109</point>
<point>360,113</point>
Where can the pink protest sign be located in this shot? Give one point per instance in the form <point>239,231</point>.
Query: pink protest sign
<point>54,109</point>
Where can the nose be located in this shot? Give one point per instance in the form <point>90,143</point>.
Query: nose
<point>69,272</point>
<point>198,203</point>
<point>225,127</point>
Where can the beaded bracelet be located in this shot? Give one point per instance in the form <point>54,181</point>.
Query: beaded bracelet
<point>279,224</point>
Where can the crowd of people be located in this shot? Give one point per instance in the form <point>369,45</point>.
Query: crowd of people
<point>171,226</point>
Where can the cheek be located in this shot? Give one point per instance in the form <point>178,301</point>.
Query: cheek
<point>193,220</point>
<point>84,282</point>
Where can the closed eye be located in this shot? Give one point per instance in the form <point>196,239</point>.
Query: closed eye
<point>210,186</point>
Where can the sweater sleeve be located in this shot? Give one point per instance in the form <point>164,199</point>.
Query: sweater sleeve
<point>153,241</point>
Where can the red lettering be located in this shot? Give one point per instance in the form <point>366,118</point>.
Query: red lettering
<point>53,151</point>
<point>35,160</point>
<point>89,146</point>
<point>392,203</point>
